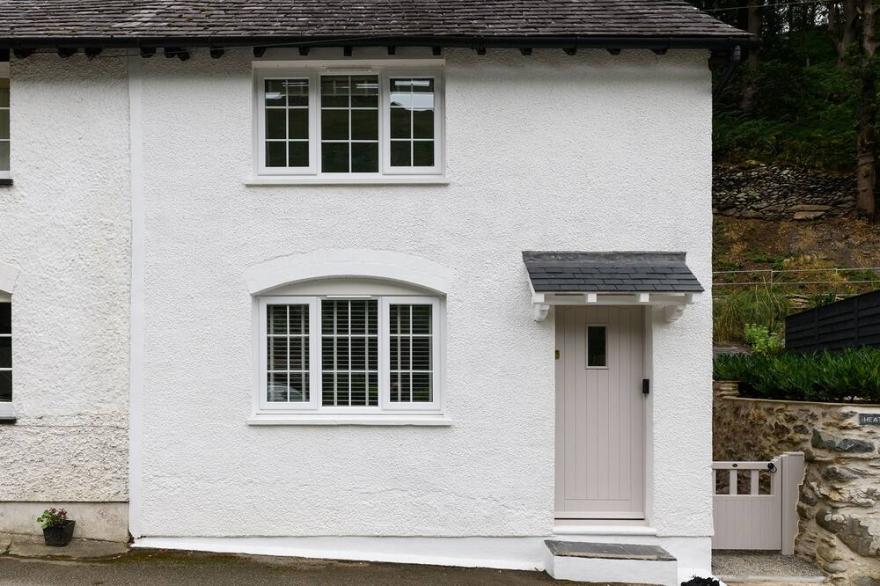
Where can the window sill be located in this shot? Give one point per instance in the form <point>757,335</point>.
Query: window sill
<point>402,419</point>
<point>5,181</point>
<point>7,413</point>
<point>314,180</point>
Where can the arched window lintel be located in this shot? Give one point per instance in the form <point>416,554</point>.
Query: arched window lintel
<point>8,277</point>
<point>333,264</point>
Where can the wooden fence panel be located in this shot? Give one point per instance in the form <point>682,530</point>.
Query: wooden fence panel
<point>849,323</point>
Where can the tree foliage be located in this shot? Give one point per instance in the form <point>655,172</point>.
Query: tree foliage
<point>802,86</point>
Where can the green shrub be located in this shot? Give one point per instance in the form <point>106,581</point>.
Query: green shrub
<point>850,375</point>
<point>761,305</point>
<point>762,340</point>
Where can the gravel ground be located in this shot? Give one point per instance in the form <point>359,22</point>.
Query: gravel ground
<point>161,568</point>
<point>744,564</point>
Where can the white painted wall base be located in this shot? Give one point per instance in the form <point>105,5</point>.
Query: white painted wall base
<point>512,553</point>
<point>102,521</point>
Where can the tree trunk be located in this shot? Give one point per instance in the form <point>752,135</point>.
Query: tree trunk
<point>866,146</point>
<point>848,29</point>
<point>866,168</point>
<point>754,11</point>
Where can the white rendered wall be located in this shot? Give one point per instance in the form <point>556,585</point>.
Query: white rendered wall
<point>592,152</point>
<point>65,224</point>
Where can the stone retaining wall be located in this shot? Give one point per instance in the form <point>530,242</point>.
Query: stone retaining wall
<point>769,192</point>
<point>840,499</point>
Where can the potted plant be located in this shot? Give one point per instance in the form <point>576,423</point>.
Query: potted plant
<point>57,528</point>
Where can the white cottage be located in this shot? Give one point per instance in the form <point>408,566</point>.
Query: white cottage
<point>406,281</point>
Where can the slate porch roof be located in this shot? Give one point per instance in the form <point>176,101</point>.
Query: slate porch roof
<point>478,22</point>
<point>610,272</point>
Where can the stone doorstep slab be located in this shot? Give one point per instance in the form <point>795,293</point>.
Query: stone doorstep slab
<point>608,551</point>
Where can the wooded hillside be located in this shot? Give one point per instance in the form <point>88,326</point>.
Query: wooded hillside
<point>807,95</point>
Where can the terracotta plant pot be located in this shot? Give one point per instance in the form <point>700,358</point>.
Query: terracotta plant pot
<point>60,535</point>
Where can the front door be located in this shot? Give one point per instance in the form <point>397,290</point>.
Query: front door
<point>600,433</point>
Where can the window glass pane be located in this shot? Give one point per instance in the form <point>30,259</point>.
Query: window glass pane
<point>596,355</point>
<point>5,318</point>
<point>276,154</point>
<point>401,153</point>
<point>4,155</point>
<point>334,157</point>
<point>298,123</point>
<point>334,125</point>
<point>411,348</point>
<point>423,124</point>
<point>4,93</point>
<point>297,92</point>
<point>400,123</point>
<point>423,153</point>
<point>5,352</point>
<point>6,386</point>
<point>349,338</point>
<point>365,124</point>
<point>298,154</point>
<point>275,93</point>
<point>334,91</point>
<point>276,123</point>
<point>287,353</point>
<point>364,157</point>
<point>365,92</point>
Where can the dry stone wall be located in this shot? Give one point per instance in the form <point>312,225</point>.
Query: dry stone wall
<point>770,192</point>
<point>840,499</point>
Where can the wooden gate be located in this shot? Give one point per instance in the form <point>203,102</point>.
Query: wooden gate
<point>755,503</point>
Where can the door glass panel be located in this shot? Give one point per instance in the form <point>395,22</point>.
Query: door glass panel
<point>596,347</point>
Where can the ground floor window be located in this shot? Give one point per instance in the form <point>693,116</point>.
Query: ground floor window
<point>5,350</point>
<point>350,354</point>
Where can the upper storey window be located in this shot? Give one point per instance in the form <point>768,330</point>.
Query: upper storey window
<point>360,123</point>
<point>4,120</point>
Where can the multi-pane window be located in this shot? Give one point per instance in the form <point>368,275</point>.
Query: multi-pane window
<point>347,123</point>
<point>412,122</point>
<point>4,125</point>
<point>5,351</point>
<point>287,122</point>
<point>371,353</point>
<point>349,353</point>
<point>411,352</point>
<point>287,356</point>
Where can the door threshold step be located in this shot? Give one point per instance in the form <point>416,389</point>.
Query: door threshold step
<point>584,561</point>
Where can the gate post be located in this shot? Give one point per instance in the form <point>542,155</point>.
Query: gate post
<point>792,471</point>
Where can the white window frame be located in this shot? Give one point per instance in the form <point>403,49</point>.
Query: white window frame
<point>385,405</point>
<point>385,70</point>
<point>4,74</point>
<point>4,299</point>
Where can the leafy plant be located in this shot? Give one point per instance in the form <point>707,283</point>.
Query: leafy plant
<point>851,375</point>
<point>762,305</point>
<point>52,518</point>
<point>762,340</point>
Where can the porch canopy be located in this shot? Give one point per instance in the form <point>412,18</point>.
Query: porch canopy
<point>610,278</point>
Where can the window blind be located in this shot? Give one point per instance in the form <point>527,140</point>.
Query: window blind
<point>411,347</point>
<point>349,353</point>
<point>288,353</point>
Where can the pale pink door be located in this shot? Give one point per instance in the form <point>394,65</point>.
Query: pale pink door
<point>600,413</point>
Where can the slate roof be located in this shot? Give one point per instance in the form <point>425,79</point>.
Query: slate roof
<point>127,22</point>
<point>610,272</point>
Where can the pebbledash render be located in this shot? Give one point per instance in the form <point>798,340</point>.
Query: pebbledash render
<point>423,282</point>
